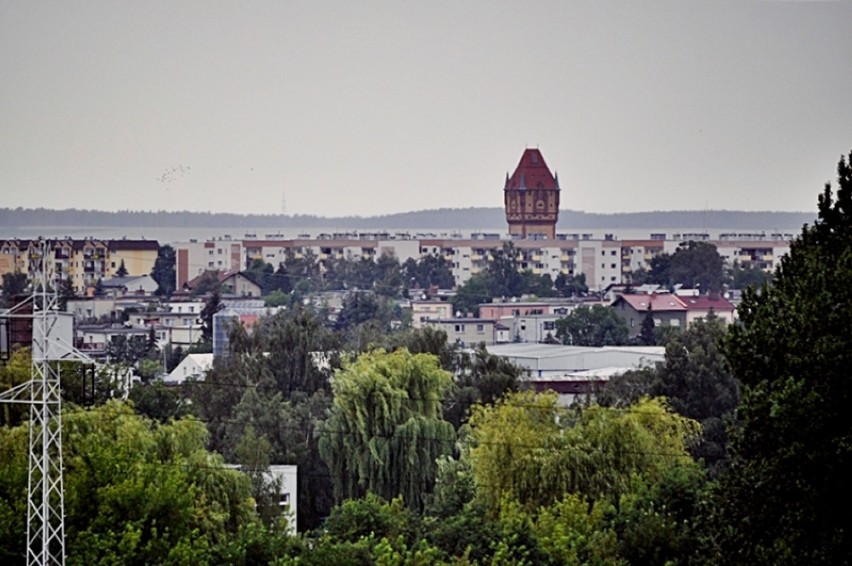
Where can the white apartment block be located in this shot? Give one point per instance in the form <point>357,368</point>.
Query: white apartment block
<point>602,261</point>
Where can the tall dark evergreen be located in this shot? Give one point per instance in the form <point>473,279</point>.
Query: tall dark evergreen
<point>697,380</point>
<point>786,497</point>
<point>646,334</point>
<point>13,284</point>
<point>164,271</point>
<point>211,307</point>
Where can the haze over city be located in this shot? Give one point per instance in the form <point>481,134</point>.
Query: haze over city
<point>372,108</point>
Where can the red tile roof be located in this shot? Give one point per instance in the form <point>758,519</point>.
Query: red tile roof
<point>669,302</point>
<point>532,172</point>
<point>659,302</point>
<point>705,303</point>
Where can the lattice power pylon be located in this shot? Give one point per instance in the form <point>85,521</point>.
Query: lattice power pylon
<point>51,342</point>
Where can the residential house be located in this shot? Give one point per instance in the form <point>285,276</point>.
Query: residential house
<point>129,285</point>
<point>532,328</point>
<point>193,366</point>
<point>137,256</point>
<point>423,310</point>
<point>470,331</point>
<point>666,308</point>
<point>699,307</point>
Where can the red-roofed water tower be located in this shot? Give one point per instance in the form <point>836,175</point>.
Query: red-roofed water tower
<point>531,198</point>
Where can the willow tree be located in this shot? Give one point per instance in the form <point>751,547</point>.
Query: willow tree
<point>529,449</point>
<point>385,430</point>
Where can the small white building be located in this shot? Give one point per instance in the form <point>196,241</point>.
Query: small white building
<point>193,366</point>
<point>285,479</point>
<point>130,285</point>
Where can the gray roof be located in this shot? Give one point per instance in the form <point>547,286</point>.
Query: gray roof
<point>122,281</point>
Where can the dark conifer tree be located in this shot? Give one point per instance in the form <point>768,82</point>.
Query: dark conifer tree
<point>786,497</point>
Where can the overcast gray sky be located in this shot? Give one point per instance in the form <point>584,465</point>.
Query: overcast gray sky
<point>342,107</point>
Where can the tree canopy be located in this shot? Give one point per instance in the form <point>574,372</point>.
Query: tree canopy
<point>385,431</point>
<point>136,492</point>
<point>592,326</point>
<point>785,498</point>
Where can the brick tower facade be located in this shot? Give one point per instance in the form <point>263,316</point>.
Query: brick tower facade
<point>531,197</point>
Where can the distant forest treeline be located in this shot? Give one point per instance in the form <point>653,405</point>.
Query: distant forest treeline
<point>469,218</point>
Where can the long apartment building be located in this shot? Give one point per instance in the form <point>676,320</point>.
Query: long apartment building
<point>603,261</point>
<point>86,261</point>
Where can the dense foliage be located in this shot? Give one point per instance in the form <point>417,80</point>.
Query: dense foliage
<point>785,500</point>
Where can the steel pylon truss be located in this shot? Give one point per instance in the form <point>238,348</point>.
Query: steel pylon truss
<point>45,490</point>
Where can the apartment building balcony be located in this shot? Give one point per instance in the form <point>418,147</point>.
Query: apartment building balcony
<point>476,257</point>
<point>768,257</point>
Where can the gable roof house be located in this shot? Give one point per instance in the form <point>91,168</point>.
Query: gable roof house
<point>669,309</point>
<point>666,308</point>
<point>233,283</point>
<point>192,366</point>
<point>701,306</point>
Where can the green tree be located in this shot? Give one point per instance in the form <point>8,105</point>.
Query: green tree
<point>749,276</point>
<point>698,265</point>
<point>301,269</point>
<point>13,284</point>
<point>388,279</point>
<point>427,271</point>
<point>537,285</point>
<point>65,292</point>
<point>385,431</point>
<point>629,387</point>
<point>136,492</point>
<point>211,307</point>
<point>471,294</point>
<point>276,298</point>
<point>158,401</point>
<point>697,380</point>
<point>647,336</point>
<point>127,351</point>
<point>571,285</point>
<point>301,351</point>
<point>15,371</point>
<point>164,272</point>
<point>659,271</point>
<point>360,307</point>
<point>207,284</point>
<point>479,378</point>
<point>785,497</point>
<point>526,448</point>
<point>122,270</point>
<point>595,326</point>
